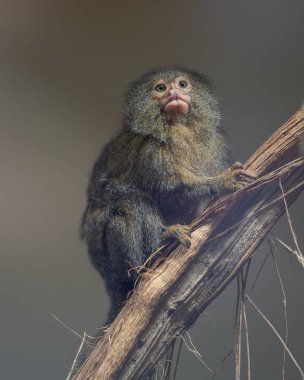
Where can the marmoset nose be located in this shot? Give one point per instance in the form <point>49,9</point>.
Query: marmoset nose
<point>173,92</point>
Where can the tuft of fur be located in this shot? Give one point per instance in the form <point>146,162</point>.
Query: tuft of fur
<point>150,177</point>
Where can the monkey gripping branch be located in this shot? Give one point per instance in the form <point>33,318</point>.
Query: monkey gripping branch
<point>175,291</point>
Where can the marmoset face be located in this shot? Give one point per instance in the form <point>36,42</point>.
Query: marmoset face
<point>173,97</point>
<point>170,97</point>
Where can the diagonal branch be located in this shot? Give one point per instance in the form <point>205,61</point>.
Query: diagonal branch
<point>172,295</point>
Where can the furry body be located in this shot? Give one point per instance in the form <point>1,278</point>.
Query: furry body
<point>159,171</point>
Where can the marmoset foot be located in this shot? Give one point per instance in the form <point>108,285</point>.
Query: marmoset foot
<point>181,233</point>
<point>236,177</point>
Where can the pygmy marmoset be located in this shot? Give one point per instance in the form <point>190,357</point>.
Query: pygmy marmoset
<point>168,161</point>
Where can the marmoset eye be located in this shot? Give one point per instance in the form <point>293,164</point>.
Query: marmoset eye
<point>160,87</point>
<point>183,84</point>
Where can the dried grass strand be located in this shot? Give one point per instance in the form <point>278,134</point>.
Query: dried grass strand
<point>76,357</point>
<point>238,335</point>
<point>272,247</point>
<point>178,358</point>
<point>277,334</point>
<point>195,351</point>
<point>68,327</point>
<point>247,342</point>
<point>222,363</point>
<point>299,254</point>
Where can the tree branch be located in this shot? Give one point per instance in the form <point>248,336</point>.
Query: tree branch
<point>173,293</point>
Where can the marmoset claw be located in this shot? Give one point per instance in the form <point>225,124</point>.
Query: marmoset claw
<point>237,165</point>
<point>237,177</point>
<point>181,233</point>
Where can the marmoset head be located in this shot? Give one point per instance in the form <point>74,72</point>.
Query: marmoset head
<point>164,98</point>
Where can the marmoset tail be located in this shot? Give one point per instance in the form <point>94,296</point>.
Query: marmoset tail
<point>168,161</point>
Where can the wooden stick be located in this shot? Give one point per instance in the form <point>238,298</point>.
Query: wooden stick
<point>172,295</point>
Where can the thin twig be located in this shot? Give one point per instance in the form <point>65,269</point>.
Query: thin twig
<point>238,298</point>
<point>68,327</point>
<point>76,357</point>
<point>245,278</point>
<point>243,312</point>
<point>247,342</point>
<point>259,272</point>
<point>238,338</point>
<point>168,362</point>
<point>290,250</point>
<point>272,247</point>
<point>195,351</point>
<point>289,221</point>
<point>177,357</point>
<point>277,334</point>
<point>222,363</point>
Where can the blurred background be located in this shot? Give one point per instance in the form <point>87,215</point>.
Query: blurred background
<point>64,67</point>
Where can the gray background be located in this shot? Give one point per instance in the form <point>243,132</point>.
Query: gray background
<point>64,66</point>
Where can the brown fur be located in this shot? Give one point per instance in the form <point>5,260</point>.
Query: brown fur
<point>153,178</point>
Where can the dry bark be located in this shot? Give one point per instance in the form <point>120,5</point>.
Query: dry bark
<point>172,295</point>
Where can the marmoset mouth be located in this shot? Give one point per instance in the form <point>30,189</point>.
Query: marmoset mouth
<point>177,106</point>
<point>176,103</point>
